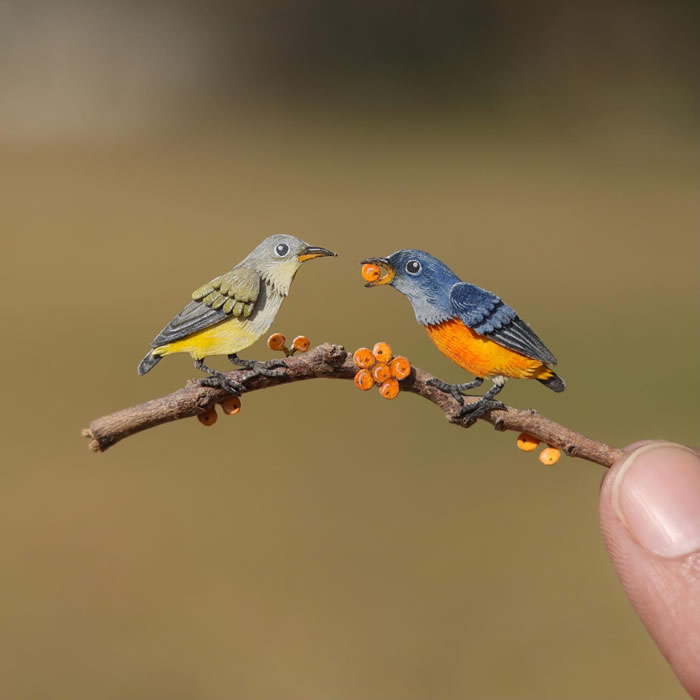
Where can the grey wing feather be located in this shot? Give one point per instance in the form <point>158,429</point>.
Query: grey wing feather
<point>231,294</point>
<point>518,336</point>
<point>488,315</point>
<point>194,317</point>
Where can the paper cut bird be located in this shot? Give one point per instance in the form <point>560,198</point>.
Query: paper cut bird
<point>470,326</point>
<point>232,311</point>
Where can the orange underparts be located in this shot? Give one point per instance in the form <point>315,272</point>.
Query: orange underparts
<point>481,356</point>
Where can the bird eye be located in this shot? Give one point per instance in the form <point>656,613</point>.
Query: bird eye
<point>413,267</point>
<point>282,249</point>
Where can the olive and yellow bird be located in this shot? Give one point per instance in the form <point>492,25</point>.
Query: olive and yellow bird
<point>470,326</point>
<point>232,311</point>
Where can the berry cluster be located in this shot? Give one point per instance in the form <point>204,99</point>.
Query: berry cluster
<point>278,342</point>
<point>230,406</point>
<point>549,456</point>
<point>377,366</point>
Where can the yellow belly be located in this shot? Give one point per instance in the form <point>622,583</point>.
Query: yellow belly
<point>225,338</point>
<point>481,356</point>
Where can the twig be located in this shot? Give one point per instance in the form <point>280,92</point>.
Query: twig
<point>332,362</point>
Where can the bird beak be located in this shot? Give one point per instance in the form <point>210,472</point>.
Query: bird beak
<point>385,266</point>
<point>312,251</point>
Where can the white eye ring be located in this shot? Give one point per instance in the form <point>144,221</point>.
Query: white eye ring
<point>413,267</point>
<point>282,249</point>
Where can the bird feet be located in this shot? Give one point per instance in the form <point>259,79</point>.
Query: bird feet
<point>469,412</point>
<point>219,380</point>
<point>476,409</point>
<point>270,368</point>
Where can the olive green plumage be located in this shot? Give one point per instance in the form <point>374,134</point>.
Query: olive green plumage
<point>234,292</point>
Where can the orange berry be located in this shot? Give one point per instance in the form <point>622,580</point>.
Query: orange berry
<point>381,372</point>
<point>400,367</point>
<point>527,443</point>
<point>231,405</point>
<point>301,343</point>
<point>363,358</point>
<point>370,272</point>
<point>549,456</point>
<point>363,380</point>
<point>382,351</point>
<point>208,418</point>
<point>389,389</point>
<point>276,341</point>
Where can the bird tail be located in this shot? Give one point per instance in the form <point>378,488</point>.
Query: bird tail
<point>149,362</point>
<point>553,382</point>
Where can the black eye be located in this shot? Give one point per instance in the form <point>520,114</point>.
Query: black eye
<point>413,267</point>
<point>282,249</point>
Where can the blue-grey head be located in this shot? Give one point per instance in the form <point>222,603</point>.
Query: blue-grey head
<point>425,280</point>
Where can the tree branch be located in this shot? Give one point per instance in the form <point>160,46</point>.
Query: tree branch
<point>333,362</point>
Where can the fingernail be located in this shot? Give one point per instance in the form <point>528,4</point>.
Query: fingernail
<point>656,493</point>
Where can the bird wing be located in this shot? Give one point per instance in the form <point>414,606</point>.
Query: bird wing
<point>231,294</point>
<point>487,315</point>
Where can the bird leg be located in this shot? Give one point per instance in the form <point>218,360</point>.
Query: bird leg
<point>486,403</point>
<point>455,390</point>
<point>475,408</point>
<point>218,379</point>
<point>264,369</point>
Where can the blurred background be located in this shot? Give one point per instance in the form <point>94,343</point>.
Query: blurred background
<point>326,543</point>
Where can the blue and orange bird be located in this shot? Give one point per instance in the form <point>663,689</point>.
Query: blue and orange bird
<point>470,326</point>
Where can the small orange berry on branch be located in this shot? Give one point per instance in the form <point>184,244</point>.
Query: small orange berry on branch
<point>527,443</point>
<point>300,344</point>
<point>363,380</point>
<point>231,406</point>
<point>363,358</point>
<point>208,418</point>
<point>550,456</point>
<point>400,367</point>
<point>389,389</point>
<point>277,342</point>
<point>381,372</point>
<point>370,272</point>
<point>382,351</point>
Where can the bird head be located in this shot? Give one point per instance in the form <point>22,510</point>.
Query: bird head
<point>278,258</point>
<point>424,279</point>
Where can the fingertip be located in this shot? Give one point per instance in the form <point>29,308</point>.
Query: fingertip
<point>650,521</point>
<point>655,492</point>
